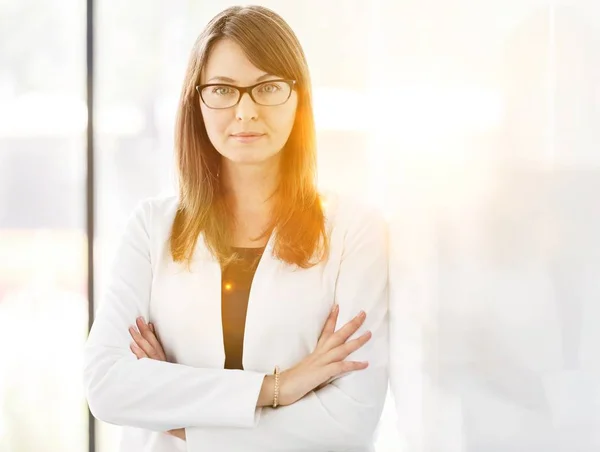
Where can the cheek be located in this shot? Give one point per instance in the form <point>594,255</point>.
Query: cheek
<point>282,123</point>
<point>216,123</point>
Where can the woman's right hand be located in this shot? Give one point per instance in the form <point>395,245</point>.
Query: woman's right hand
<point>327,361</point>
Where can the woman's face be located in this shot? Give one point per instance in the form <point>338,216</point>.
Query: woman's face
<point>248,132</point>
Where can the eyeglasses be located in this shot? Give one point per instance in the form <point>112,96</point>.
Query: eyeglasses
<point>270,93</point>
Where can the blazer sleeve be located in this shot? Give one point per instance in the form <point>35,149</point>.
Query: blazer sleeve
<point>145,393</point>
<point>344,414</point>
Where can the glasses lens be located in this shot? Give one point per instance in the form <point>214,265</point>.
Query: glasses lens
<point>219,96</point>
<point>271,93</point>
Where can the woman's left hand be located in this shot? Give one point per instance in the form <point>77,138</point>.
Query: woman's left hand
<point>146,345</point>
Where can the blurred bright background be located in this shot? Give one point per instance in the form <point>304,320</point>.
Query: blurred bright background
<point>424,108</point>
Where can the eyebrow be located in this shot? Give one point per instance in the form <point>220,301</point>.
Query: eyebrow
<point>222,78</point>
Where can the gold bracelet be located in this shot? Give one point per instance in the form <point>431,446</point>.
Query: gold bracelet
<point>276,391</point>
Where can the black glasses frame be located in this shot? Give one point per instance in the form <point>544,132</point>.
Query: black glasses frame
<point>246,89</point>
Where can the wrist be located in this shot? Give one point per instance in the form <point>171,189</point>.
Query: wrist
<point>277,373</point>
<point>283,397</point>
<point>267,391</point>
<point>265,397</point>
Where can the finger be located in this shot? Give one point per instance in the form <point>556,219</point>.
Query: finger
<point>321,386</point>
<point>341,352</point>
<point>329,327</point>
<point>138,352</point>
<point>142,342</point>
<point>149,335</point>
<point>153,329</point>
<point>145,330</point>
<point>342,335</point>
<point>160,349</point>
<point>342,367</point>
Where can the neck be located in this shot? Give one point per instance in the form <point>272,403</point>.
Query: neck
<point>250,187</point>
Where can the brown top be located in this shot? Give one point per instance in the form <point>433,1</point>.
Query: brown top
<point>236,282</point>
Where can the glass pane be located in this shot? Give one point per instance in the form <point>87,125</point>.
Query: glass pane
<point>43,275</point>
<point>495,183</point>
<point>141,51</point>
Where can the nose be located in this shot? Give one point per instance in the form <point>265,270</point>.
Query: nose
<point>246,109</point>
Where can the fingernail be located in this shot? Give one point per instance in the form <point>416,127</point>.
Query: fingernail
<point>335,308</point>
<point>141,319</point>
<point>362,314</point>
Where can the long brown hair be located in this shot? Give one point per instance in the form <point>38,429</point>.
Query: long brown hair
<point>298,218</point>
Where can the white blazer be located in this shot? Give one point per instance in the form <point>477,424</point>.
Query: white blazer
<point>286,312</point>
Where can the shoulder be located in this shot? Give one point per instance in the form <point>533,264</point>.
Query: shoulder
<point>345,211</point>
<point>160,205</point>
<point>155,213</point>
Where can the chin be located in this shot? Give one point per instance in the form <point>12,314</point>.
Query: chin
<point>249,156</point>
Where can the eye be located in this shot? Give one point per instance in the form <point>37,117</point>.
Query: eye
<point>270,88</point>
<point>221,90</point>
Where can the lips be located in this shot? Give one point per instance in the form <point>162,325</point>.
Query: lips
<point>247,134</point>
<point>247,137</point>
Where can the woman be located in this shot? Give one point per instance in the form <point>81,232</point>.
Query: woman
<point>246,272</point>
